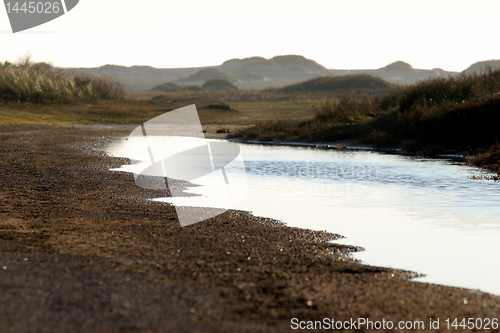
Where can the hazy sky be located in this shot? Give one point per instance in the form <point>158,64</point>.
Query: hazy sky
<point>450,34</point>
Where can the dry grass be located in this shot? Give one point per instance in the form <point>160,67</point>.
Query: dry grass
<point>42,83</point>
<point>489,157</point>
<point>457,113</point>
<point>97,112</point>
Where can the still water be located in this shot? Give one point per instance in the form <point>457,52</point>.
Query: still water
<point>412,213</point>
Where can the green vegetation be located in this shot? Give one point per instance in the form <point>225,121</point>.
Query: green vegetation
<point>42,83</point>
<point>136,108</point>
<point>361,84</point>
<point>219,106</point>
<point>489,157</point>
<point>251,106</point>
<point>95,112</point>
<point>457,113</point>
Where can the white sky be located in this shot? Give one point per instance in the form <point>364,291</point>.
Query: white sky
<point>348,34</point>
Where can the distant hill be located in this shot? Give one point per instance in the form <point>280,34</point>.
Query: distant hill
<point>275,72</point>
<point>398,72</point>
<point>255,73</point>
<point>218,85</point>
<point>482,66</point>
<point>206,74</point>
<point>398,66</point>
<point>167,87</point>
<point>278,65</point>
<point>140,78</point>
<point>251,77</point>
<point>361,83</point>
<point>258,72</point>
<point>193,88</point>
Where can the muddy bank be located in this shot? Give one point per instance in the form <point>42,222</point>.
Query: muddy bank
<point>82,251</point>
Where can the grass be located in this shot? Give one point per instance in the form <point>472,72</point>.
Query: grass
<point>330,120</point>
<point>489,157</point>
<point>39,93</point>
<point>219,106</point>
<point>136,108</point>
<point>437,115</point>
<point>251,106</point>
<point>43,84</point>
<point>457,113</point>
<point>452,113</point>
<point>358,85</point>
<point>97,112</point>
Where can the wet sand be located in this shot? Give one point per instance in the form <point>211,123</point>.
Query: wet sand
<point>81,250</point>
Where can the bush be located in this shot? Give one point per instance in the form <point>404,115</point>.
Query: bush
<point>219,106</point>
<point>458,113</point>
<point>488,157</point>
<point>443,92</point>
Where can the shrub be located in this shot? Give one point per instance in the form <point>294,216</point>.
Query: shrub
<point>219,106</point>
<point>458,113</point>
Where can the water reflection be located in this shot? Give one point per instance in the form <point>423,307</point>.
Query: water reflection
<point>412,213</point>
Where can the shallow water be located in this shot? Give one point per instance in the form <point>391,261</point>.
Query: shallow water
<point>411,213</point>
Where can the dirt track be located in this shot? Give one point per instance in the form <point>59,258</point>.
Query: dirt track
<point>82,251</point>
